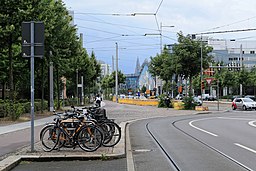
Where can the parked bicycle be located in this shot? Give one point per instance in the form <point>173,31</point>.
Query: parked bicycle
<point>88,127</point>
<point>68,130</point>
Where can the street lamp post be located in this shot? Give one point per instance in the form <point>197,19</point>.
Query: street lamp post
<point>116,72</point>
<point>201,70</point>
<point>161,27</point>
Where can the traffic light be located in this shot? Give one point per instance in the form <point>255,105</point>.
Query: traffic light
<point>202,85</point>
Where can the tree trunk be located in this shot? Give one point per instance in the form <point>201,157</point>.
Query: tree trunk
<point>58,89</point>
<point>3,90</point>
<point>190,85</point>
<point>10,69</point>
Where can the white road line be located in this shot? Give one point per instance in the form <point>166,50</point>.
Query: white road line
<point>252,123</point>
<point>244,147</point>
<point>190,123</point>
<point>242,119</point>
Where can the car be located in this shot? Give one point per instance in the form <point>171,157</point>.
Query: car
<point>236,96</point>
<point>251,97</point>
<point>243,103</point>
<point>212,98</point>
<point>197,101</point>
<point>179,97</point>
<point>122,96</point>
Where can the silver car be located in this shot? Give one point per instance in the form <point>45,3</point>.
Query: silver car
<point>243,103</point>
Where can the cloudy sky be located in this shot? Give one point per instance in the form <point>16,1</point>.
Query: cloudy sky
<point>107,22</point>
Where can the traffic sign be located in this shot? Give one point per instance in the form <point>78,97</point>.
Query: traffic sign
<point>209,80</point>
<point>38,34</point>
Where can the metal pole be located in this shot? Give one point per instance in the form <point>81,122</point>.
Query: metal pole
<point>218,94</point>
<point>116,72</point>
<point>77,87</point>
<point>82,82</point>
<point>51,85</point>
<point>201,72</point>
<point>161,41</point>
<point>241,56</point>
<point>32,85</point>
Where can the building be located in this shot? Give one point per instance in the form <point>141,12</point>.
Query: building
<point>145,78</point>
<point>234,52</point>
<point>105,68</point>
<point>140,78</point>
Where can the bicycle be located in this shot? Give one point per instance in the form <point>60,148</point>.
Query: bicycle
<point>70,132</point>
<point>111,131</point>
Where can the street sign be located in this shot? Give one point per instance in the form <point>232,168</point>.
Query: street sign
<point>38,43</point>
<point>32,46</point>
<point>209,80</point>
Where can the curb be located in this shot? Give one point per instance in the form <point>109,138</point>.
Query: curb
<point>118,152</point>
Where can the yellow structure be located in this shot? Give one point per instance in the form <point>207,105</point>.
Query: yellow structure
<point>178,105</point>
<point>148,102</point>
<point>201,108</point>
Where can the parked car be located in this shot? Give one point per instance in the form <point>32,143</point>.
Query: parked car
<point>235,96</point>
<point>212,98</point>
<point>179,97</point>
<point>197,101</point>
<point>251,97</point>
<point>243,103</point>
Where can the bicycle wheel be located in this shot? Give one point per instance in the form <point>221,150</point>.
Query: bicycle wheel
<point>49,138</point>
<point>89,138</point>
<point>112,134</point>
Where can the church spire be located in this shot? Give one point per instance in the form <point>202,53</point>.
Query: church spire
<point>137,68</point>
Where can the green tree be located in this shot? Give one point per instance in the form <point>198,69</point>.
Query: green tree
<point>110,81</point>
<point>187,57</point>
<point>163,66</point>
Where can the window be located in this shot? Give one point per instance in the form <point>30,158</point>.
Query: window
<point>252,52</point>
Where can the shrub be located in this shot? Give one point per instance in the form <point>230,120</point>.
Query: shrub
<point>162,102</point>
<point>2,111</point>
<point>189,103</point>
<point>18,110</point>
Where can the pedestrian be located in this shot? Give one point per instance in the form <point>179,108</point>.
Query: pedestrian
<point>98,100</point>
<point>167,101</point>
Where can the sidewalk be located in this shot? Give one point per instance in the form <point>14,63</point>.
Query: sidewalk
<point>123,115</point>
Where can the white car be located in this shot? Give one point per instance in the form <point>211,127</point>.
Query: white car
<point>243,103</point>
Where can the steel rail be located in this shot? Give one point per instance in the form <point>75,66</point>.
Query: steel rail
<point>173,165</point>
<point>209,146</point>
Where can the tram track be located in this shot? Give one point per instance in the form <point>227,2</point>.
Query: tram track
<point>209,146</point>
<point>169,157</point>
<point>173,164</point>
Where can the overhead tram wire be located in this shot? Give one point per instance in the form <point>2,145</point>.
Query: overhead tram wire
<point>114,24</point>
<point>226,31</point>
<point>121,26</point>
<point>227,25</point>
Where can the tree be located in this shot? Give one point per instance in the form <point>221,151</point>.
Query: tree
<point>162,65</point>
<point>187,57</point>
<point>110,81</point>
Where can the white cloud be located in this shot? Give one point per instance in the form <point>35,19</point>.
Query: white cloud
<point>186,15</point>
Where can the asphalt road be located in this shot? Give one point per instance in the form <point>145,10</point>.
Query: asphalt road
<point>147,154</point>
<point>213,142</point>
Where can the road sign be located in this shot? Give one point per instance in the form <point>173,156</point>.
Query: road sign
<point>38,43</point>
<point>209,80</point>
<point>32,46</point>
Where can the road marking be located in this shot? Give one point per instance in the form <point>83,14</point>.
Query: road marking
<point>252,123</point>
<point>244,147</point>
<point>200,129</point>
<point>242,119</point>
